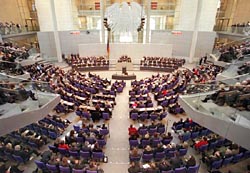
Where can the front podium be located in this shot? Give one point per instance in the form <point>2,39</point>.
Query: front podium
<point>123,77</point>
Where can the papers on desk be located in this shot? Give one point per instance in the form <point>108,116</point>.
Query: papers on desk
<point>66,103</point>
<point>145,166</point>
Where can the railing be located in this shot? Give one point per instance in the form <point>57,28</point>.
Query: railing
<point>15,30</point>
<point>235,30</point>
<point>200,100</point>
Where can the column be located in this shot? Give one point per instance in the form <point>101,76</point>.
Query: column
<point>195,31</point>
<point>55,30</point>
<point>148,20</point>
<point>44,15</point>
<point>102,19</point>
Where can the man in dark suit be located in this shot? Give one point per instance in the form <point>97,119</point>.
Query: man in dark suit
<point>176,161</point>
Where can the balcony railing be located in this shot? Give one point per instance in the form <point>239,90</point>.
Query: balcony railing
<point>234,30</point>
<point>14,30</point>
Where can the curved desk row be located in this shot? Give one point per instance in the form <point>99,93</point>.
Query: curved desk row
<point>92,68</point>
<point>161,69</point>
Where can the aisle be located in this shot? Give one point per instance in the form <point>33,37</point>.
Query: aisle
<point>117,148</point>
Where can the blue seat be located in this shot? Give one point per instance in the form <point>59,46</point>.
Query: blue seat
<point>134,116</point>
<point>52,168</point>
<point>216,164</point>
<point>194,135</point>
<point>85,154</point>
<point>147,157</point>
<point>19,159</point>
<point>52,135</point>
<point>133,143</point>
<point>159,156</point>
<point>193,169</point>
<point>227,161</point>
<point>105,116</point>
<point>64,169</point>
<point>134,158</point>
<point>180,170</point>
<point>78,171</point>
<point>40,165</point>
<point>182,152</point>
<point>98,156</point>
<point>203,148</point>
<point>237,157</point>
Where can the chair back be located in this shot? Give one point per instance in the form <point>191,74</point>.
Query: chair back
<point>159,155</point>
<point>237,157</point>
<point>52,168</point>
<point>180,170</point>
<point>226,161</point>
<point>147,157</point>
<point>74,154</point>
<point>88,171</point>
<point>40,164</point>
<point>216,164</point>
<point>18,159</point>
<point>98,155</point>
<point>182,152</point>
<point>133,143</point>
<point>104,132</point>
<point>78,171</point>
<point>193,169</point>
<point>64,169</point>
<point>85,154</point>
<point>134,116</point>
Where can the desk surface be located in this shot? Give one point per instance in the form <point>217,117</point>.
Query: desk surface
<point>123,77</point>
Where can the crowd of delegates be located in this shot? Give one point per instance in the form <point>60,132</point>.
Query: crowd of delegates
<point>162,62</point>
<point>124,58</point>
<point>25,142</point>
<point>234,52</point>
<point>14,92</point>
<point>166,88</point>
<point>78,150</point>
<point>206,73</point>
<point>211,146</point>
<point>93,61</point>
<point>8,54</point>
<point>244,69</point>
<point>77,88</point>
<point>153,151</point>
<point>10,28</point>
<point>244,24</point>
<point>237,96</point>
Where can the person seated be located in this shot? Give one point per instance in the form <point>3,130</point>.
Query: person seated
<point>152,168</point>
<point>134,167</point>
<point>148,150</point>
<point>189,161</point>
<point>79,164</point>
<point>25,94</point>
<point>65,162</point>
<point>176,161</point>
<point>132,130</point>
<point>134,152</point>
<point>200,143</point>
<point>164,166</point>
<point>92,166</point>
<point>209,159</point>
<point>62,145</point>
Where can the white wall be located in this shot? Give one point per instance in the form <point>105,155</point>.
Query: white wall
<point>187,11</point>
<point>44,15</point>
<point>64,15</point>
<point>63,9</point>
<point>182,43</point>
<point>135,51</point>
<point>208,15</point>
<point>187,15</point>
